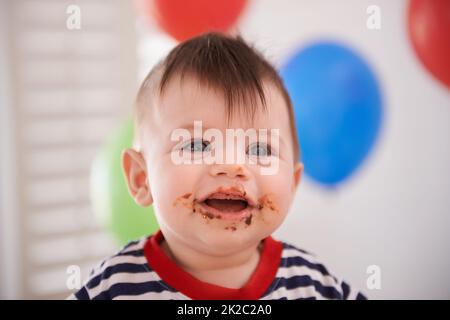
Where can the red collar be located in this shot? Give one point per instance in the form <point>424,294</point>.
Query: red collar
<point>190,286</point>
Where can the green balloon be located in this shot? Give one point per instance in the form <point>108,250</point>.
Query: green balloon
<point>113,206</point>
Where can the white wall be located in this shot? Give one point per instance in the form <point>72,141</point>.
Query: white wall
<point>395,211</point>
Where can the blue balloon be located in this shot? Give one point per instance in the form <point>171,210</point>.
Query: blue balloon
<point>338,109</point>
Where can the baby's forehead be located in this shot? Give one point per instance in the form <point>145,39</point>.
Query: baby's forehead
<point>188,99</point>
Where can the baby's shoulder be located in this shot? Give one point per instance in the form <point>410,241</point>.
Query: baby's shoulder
<point>127,265</point>
<point>294,255</point>
<point>304,271</point>
<point>295,260</point>
<point>127,257</point>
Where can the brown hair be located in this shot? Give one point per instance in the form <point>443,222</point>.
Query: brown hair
<point>224,63</point>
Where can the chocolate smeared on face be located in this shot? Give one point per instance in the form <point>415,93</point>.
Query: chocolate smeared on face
<point>186,196</point>
<point>183,200</point>
<point>208,215</point>
<point>226,202</point>
<point>248,220</point>
<point>190,204</point>
<point>266,202</point>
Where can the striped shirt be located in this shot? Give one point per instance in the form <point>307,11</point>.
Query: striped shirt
<point>141,270</point>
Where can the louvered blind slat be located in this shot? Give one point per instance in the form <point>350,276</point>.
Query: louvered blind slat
<point>71,89</point>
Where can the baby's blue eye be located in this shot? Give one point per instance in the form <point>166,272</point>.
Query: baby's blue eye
<point>259,149</point>
<point>197,145</point>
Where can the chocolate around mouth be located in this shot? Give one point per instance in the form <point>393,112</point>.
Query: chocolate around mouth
<point>227,205</point>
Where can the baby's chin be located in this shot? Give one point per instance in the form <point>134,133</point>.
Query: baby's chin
<point>222,241</point>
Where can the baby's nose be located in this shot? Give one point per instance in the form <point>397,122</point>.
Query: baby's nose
<point>230,170</point>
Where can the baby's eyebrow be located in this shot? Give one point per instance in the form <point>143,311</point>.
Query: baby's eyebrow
<point>189,127</point>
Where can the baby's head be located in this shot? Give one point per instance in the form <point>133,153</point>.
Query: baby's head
<point>215,147</point>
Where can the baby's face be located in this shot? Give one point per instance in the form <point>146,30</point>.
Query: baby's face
<point>224,206</point>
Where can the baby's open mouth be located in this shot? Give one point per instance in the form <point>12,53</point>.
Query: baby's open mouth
<point>226,203</point>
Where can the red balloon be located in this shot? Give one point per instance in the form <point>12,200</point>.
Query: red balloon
<point>184,19</point>
<point>429,30</point>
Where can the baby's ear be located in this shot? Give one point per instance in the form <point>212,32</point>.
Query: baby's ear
<point>298,172</point>
<point>135,171</point>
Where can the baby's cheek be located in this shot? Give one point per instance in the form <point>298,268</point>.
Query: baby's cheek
<point>271,209</point>
<point>175,211</point>
<point>275,200</point>
<point>171,181</point>
<point>184,201</point>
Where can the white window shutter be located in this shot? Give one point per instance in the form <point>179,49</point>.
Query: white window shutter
<point>70,89</point>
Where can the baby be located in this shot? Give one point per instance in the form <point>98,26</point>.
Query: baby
<point>216,154</point>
